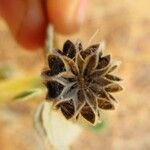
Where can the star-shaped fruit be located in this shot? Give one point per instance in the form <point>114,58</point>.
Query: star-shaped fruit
<point>80,82</point>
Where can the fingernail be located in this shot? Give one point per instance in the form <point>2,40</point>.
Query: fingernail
<point>81,11</point>
<point>67,15</point>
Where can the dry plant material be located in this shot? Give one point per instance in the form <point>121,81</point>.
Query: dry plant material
<point>79,82</point>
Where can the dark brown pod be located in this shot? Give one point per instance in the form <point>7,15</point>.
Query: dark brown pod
<point>80,81</point>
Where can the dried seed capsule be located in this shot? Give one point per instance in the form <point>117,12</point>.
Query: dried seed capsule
<point>88,82</point>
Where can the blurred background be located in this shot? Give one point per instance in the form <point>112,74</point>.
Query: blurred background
<point>125,27</point>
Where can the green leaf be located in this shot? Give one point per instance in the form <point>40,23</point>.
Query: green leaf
<point>6,71</point>
<point>99,126</point>
<point>24,94</point>
<point>29,94</point>
<point>17,85</point>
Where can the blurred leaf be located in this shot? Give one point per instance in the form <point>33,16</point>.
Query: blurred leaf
<point>99,126</point>
<point>94,128</point>
<point>12,87</point>
<point>23,95</point>
<point>29,94</point>
<point>6,71</point>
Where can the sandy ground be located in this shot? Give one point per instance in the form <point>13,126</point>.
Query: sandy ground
<point>125,26</point>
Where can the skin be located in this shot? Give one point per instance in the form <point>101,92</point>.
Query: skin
<point>28,19</point>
